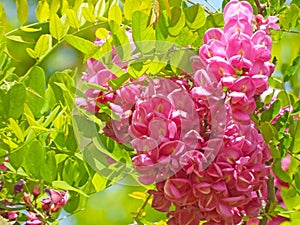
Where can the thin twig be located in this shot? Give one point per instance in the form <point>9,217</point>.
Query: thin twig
<point>270,199</point>
<point>211,5</point>
<point>260,8</point>
<point>142,207</point>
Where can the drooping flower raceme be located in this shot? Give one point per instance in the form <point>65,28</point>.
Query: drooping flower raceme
<point>192,135</point>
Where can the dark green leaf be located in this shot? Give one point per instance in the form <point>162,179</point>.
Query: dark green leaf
<point>273,111</point>
<point>14,101</point>
<point>292,70</point>
<point>283,175</point>
<point>195,16</point>
<point>296,138</point>
<point>177,21</point>
<point>34,158</point>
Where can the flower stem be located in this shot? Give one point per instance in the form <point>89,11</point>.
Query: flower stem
<point>142,207</point>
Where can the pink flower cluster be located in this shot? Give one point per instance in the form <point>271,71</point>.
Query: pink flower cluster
<point>239,57</point>
<point>193,135</point>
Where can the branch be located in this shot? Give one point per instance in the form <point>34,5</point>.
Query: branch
<point>270,199</point>
<point>260,8</point>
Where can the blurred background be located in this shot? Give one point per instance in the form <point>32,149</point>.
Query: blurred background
<point>114,206</point>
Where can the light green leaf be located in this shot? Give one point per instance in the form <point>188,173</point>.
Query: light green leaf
<point>142,32</point>
<point>115,14</point>
<point>99,182</point>
<point>16,129</point>
<point>36,85</point>
<point>48,169</point>
<point>79,43</point>
<point>18,39</point>
<point>22,10</point>
<point>34,158</point>
<point>88,14</point>
<point>56,27</point>
<point>72,19</point>
<point>100,8</point>
<point>30,29</point>
<point>54,7</point>
<point>65,186</point>
<point>31,53</point>
<point>42,11</point>
<point>43,45</point>
<point>101,33</point>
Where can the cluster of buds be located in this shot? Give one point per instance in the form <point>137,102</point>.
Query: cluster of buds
<point>36,214</point>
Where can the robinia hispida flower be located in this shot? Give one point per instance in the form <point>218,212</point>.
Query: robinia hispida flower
<point>192,133</point>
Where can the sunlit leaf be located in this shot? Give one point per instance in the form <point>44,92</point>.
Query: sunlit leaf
<point>56,27</point>
<point>22,10</point>
<point>115,14</point>
<point>43,45</point>
<point>16,129</point>
<point>79,43</point>
<point>42,11</point>
<point>195,16</point>
<point>72,18</point>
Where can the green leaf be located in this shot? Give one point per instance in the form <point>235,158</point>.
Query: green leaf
<point>48,169</point>
<point>36,85</point>
<point>14,101</point>
<point>297,179</point>
<point>296,138</point>
<point>195,16</point>
<point>115,14</point>
<point>142,33</point>
<point>31,53</point>
<point>118,82</point>
<point>43,45</point>
<point>99,182</point>
<point>88,14</point>
<point>283,175</point>
<point>72,18</point>
<point>292,70</point>
<point>70,171</point>
<point>18,39</point>
<point>16,158</point>
<point>54,7</point>
<point>42,11</point>
<point>65,186</point>
<point>22,10</point>
<point>16,129</point>
<point>101,33</point>
<point>273,111</point>
<point>56,27</point>
<point>100,8</point>
<point>79,43</point>
<point>34,158</point>
<point>177,22</point>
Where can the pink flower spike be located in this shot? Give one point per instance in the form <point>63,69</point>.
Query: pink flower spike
<point>238,9</point>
